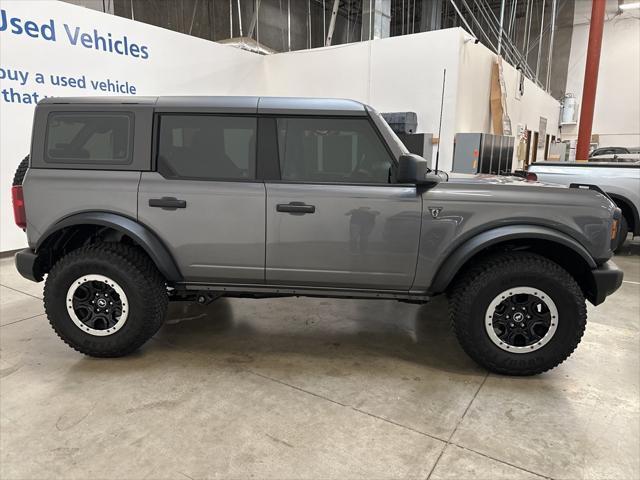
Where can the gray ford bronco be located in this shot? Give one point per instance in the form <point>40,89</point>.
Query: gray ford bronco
<point>129,203</point>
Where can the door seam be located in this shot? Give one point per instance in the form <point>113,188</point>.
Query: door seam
<point>138,197</point>
<point>415,270</point>
<point>266,219</point>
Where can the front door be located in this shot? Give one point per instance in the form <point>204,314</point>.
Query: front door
<point>203,201</point>
<point>334,219</point>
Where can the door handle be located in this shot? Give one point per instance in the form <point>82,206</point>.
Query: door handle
<point>296,208</point>
<point>167,203</point>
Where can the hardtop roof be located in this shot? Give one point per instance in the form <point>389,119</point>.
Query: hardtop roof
<point>233,104</point>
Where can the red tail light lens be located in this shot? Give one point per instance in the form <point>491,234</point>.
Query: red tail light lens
<point>19,213</point>
<point>531,177</point>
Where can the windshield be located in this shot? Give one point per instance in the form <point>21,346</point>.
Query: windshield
<point>395,144</point>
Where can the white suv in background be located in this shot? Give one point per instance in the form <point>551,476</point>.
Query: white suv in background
<point>619,180</point>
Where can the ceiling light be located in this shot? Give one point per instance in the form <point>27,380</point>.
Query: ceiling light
<point>629,6</point>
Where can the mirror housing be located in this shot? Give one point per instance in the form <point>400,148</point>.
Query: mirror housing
<point>413,169</point>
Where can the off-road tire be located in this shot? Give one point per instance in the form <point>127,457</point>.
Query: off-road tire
<point>21,171</point>
<point>476,287</point>
<point>622,234</point>
<point>134,272</point>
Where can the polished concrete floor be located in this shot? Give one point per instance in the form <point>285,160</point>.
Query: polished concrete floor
<point>314,388</point>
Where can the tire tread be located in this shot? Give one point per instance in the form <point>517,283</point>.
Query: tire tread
<point>467,287</point>
<point>143,273</point>
<point>21,171</point>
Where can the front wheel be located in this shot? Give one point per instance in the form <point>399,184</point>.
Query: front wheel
<point>517,313</point>
<point>105,300</point>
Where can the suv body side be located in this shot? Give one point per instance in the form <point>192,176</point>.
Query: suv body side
<point>363,235</point>
<point>131,204</point>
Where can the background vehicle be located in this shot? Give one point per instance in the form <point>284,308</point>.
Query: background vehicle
<point>620,180</point>
<point>612,151</point>
<point>617,158</point>
<point>127,206</point>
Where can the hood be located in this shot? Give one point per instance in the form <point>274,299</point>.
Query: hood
<point>486,179</point>
<point>518,190</point>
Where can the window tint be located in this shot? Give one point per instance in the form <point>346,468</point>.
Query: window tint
<point>207,147</point>
<point>331,150</point>
<point>89,138</point>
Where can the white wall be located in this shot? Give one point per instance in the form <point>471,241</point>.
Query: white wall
<point>393,74</point>
<point>407,74</point>
<point>177,65</point>
<point>473,108</point>
<point>617,109</point>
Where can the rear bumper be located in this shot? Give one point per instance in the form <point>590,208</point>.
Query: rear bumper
<point>26,264</point>
<point>607,278</point>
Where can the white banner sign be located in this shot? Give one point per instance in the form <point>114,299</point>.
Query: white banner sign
<point>51,48</point>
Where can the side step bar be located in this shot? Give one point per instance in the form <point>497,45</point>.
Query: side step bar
<point>253,290</point>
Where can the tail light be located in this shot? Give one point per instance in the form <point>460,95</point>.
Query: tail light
<point>19,213</point>
<point>531,177</point>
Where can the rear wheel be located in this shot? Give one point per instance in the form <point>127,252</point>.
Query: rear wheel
<point>517,313</point>
<point>105,300</point>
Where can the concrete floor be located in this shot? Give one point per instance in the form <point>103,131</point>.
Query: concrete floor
<point>306,388</point>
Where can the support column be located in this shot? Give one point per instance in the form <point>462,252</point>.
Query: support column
<point>590,79</point>
<point>376,19</point>
<point>332,23</point>
<point>501,26</point>
<point>551,40</point>
<point>430,16</point>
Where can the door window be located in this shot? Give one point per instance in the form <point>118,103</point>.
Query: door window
<point>207,147</point>
<point>345,150</point>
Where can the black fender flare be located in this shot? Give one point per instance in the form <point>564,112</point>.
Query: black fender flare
<point>456,260</point>
<point>634,211</point>
<point>144,237</point>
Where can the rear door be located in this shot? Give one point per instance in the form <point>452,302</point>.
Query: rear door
<point>334,219</point>
<point>204,201</point>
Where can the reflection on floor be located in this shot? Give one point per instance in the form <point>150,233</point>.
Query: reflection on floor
<point>314,388</point>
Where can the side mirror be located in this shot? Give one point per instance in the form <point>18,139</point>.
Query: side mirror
<point>413,169</point>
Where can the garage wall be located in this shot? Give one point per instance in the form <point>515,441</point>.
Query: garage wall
<point>394,74</point>
<point>341,71</point>
<point>617,111</point>
<point>473,108</point>
<point>407,74</point>
<point>176,65</point>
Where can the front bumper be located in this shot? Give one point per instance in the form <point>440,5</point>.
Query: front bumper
<point>27,265</point>
<point>606,279</point>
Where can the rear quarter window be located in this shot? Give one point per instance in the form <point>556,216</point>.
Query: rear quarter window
<point>89,138</point>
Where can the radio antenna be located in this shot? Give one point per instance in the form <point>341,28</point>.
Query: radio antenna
<point>444,78</point>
